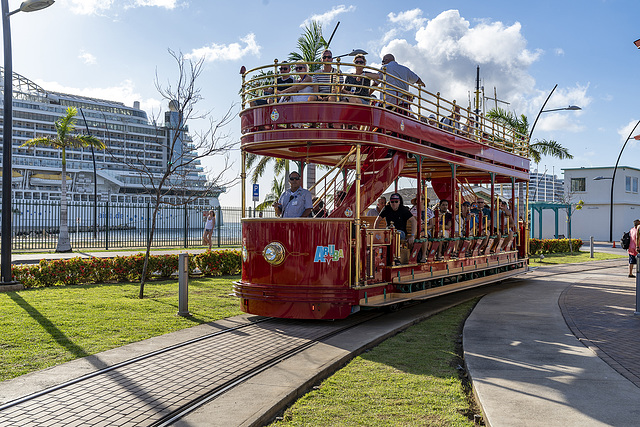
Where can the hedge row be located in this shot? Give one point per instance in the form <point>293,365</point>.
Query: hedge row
<point>122,268</point>
<point>550,246</point>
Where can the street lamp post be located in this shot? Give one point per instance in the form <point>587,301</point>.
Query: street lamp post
<point>7,130</point>
<point>542,110</point>
<point>613,178</point>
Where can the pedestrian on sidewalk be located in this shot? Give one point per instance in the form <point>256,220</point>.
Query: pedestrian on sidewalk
<point>633,246</point>
<point>210,221</point>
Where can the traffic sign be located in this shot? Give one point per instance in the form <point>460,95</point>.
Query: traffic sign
<point>256,192</point>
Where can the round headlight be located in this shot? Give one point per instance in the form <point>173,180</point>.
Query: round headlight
<point>274,253</point>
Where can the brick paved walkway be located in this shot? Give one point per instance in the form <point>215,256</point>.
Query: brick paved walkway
<point>600,312</point>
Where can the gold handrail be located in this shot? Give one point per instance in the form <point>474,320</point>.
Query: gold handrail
<point>417,102</point>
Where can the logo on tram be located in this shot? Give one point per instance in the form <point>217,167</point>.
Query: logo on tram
<point>328,254</point>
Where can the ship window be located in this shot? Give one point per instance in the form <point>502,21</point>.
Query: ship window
<point>578,184</point>
<point>18,195</point>
<point>27,196</point>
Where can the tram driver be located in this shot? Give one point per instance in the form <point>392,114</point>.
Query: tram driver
<point>295,202</point>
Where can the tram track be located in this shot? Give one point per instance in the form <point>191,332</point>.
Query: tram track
<point>164,386</point>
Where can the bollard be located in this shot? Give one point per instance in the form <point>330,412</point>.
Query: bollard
<point>183,285</point>
<point>591,243</point>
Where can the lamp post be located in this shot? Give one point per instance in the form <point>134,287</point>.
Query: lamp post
<point>542,110</point>
<point>613,178</point>
<point>7,130</point>
<point>354,52</point>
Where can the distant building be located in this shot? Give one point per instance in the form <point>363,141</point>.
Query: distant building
<point>593,186</point>
<point>544,187</point>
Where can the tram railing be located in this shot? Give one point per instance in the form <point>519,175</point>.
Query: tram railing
<point>259,86</point>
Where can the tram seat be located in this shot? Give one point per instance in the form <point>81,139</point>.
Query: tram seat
<point>371,220</point>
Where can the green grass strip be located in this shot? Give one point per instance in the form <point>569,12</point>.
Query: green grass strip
<point>409,380</point>
<point>47,326</point>
<point>568,258</point>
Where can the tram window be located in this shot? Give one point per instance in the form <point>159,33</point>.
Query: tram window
<point>578,184</point>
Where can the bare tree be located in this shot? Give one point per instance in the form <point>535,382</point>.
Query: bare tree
<point>182,151</point>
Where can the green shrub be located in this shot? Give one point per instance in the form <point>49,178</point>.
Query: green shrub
<point>121,268</point>
<point>552,246</point>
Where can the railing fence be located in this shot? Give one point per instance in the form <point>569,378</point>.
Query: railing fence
<point>35,225</point>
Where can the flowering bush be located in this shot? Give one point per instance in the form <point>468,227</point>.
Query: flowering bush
<point>219,263</point>
<point>550,246</point>
<point>121,268</point>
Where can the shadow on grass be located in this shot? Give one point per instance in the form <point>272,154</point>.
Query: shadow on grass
<point>48,326</point>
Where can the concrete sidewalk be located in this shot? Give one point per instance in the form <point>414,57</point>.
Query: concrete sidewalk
<point>527,366</point>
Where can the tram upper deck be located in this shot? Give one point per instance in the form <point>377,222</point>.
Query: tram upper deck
<point>406,121</point>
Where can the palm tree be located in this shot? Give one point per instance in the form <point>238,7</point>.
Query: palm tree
<point>65,126</point>
<point>277,188</point>
<point>310,45</point>
<point>520,124</point>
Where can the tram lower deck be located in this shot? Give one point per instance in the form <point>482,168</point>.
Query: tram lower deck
<point>329,268</point>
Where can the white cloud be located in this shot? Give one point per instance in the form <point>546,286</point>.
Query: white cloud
<point>627,129</point>
<point>167,4</point>
<point>231,52</point>
<point>124,92</point>
<point>410,19</point>
<point>447,49</point>
<point>89,7</point>
<point>328,17</point>
<point>88,58</point>
<point>559,51</point>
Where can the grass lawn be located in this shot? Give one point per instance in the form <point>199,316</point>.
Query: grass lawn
<point>408,380</point>
<point>47,326</point>
<point>568,258</point>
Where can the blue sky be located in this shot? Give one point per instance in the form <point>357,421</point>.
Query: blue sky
<point>112,49</point>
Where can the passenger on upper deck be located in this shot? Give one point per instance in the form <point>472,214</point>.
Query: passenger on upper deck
<point>303,85</point>
<point>398,76</point>
<point>324,81</point>
<point>451,123</point>
<point>295,202</point>
<point>400,215</point>
<point>358,83</point>
<point>282,83</point>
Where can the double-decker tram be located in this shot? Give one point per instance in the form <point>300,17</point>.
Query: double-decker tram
<point>331,266</point>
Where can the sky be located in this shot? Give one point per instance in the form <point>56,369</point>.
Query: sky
<point>114,49</point>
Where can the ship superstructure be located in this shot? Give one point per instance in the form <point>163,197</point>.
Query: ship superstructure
<point>126,131</point>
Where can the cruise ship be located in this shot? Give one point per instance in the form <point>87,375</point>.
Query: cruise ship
<point>126,131</point>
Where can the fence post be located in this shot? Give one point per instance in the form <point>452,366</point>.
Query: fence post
<point>183,285</point>
<point>218,221</point>
<point>591,244</point>
<point>186,223</point>
<point>106,228</point>
<point>148,222</point>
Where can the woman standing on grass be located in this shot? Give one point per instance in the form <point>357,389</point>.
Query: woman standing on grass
<point>210,220</point>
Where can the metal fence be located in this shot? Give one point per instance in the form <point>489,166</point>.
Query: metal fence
<point>118,225</point>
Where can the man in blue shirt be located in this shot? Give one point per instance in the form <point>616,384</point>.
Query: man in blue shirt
<point>295,202</point>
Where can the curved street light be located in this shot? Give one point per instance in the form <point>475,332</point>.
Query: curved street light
<point>542,110</point>
<point>613,178</point>
<point>6,277</point>
<point>354,52</point>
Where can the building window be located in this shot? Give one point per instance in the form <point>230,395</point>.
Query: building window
<point>578,184</point>
<point>631,184</point>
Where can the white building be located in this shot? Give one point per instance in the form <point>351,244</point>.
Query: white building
<point>593,186</point>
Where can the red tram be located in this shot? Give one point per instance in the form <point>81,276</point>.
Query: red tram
<point>328,268</point>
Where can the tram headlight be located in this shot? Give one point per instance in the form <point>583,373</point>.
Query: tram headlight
<point>273,253</point>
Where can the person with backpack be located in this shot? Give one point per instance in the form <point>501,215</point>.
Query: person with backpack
<point>633,247</point>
